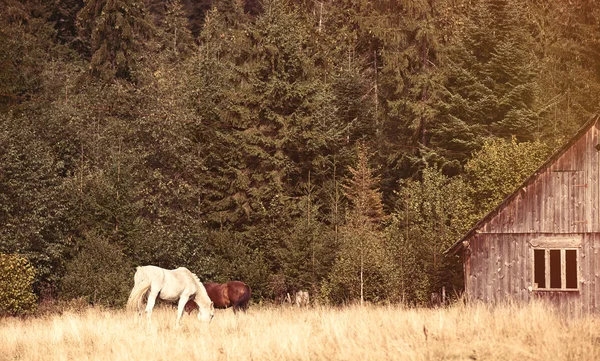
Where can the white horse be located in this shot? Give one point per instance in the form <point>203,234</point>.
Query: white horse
<point>178,285</point>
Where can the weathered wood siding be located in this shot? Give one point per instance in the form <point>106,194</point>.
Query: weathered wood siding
<point>500,268</point>
<point>562,199</point>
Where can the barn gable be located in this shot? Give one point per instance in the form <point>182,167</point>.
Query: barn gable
<point>556,198</point>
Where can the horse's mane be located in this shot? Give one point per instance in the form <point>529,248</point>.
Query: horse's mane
<point>199,284</point>
<point>195,277</point>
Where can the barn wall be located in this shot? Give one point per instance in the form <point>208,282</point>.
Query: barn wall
<point>499,268</point>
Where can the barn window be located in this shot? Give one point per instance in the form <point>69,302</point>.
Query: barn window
<point>555,269</point>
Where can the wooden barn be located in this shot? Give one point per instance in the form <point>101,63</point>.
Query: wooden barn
<point>543,241</point>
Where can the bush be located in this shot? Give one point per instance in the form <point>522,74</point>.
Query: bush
<point>98,273</point>
<point>16,286</point>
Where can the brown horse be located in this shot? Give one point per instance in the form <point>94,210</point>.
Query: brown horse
<point>234,294</point>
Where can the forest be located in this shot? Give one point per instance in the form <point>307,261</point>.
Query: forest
<point>334,146</point>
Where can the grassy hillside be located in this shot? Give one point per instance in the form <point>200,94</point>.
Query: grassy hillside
<point>509,332</point>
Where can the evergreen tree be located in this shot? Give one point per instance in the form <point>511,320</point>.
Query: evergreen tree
<point>28,54</point>
<point>176,35</point>
<point>34,208</point>
<point>98,272</point>
<point>273,115</point>
<point>492,80</point>
<point>306,252</point>
<point>362,265</point>
<point>567,49</point>
<point>430,215</point>
<point>228,156</point>
<point>113,30</point>
<point>406,79</point>
<point>64,16</point>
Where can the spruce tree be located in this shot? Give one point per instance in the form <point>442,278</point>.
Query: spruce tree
<point>406,41</point>
<point>362,264</point>
<point>64,16</point>
<point>491,86</point>
<point>113,30</point>
<point>35,151</point>
<point>567,48</point>
<point>271,112</point>
<point>176,36</point>
<point>430,214</point>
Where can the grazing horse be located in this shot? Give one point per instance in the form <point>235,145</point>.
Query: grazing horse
<point>178,285</point>
<point>234,294</point>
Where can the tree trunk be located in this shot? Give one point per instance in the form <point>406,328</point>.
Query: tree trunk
<point>362,298</point>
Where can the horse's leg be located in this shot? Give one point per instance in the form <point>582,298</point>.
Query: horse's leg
<point>150,305</point>
<point>180,308</point>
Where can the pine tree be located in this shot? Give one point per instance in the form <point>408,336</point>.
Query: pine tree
<point>362,191</point>
<point>32,193</point>
<point>567,49</point>
<point>214,87</point>
<point>429,216</point>
<point>405,43</point>
<point>492,80</point>
<point>64,16</point>
<point>27,51</point>
<point>362,263</point>
<point>272,114</point>
<point>113,29</point>
<point>177,38</point>
<point>35,151</point>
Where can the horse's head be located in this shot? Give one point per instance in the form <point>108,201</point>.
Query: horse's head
<point>206,315</point>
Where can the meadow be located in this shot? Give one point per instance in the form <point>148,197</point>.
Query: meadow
<point>475,332</point>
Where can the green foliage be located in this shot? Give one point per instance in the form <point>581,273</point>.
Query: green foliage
<point>362,190</point>
<point>499,168</point>
<point>27,52</point>
<point>407,77</point>
<point>305,254</point>
<point>227,153</point>
<point>33,207</point>
<point>234,258</point>
<point>491,85</point>
<point>430,215</point>
<point>362,268</point>
<point>270,113</point>
<point>569,86</point>
<point>98,272</point>
<point>16,285</point>
<point>363,264</point>
<point>176,37</point>
<point>113,29</point>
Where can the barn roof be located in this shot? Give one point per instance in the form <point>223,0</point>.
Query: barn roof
<point>456,247</point>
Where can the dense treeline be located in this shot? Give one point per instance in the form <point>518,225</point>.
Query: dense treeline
<point>338,146</point>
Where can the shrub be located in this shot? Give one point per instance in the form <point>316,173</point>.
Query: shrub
<point>98,273</point>
<point>16,286</point>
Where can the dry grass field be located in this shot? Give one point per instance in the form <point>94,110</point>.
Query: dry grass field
<point>531,332</point>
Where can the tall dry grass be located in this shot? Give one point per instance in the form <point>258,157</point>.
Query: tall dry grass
<point>509,332</point>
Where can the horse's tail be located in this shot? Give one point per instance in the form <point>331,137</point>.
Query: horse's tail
<point>243,301</point>
<point>142,284</point>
